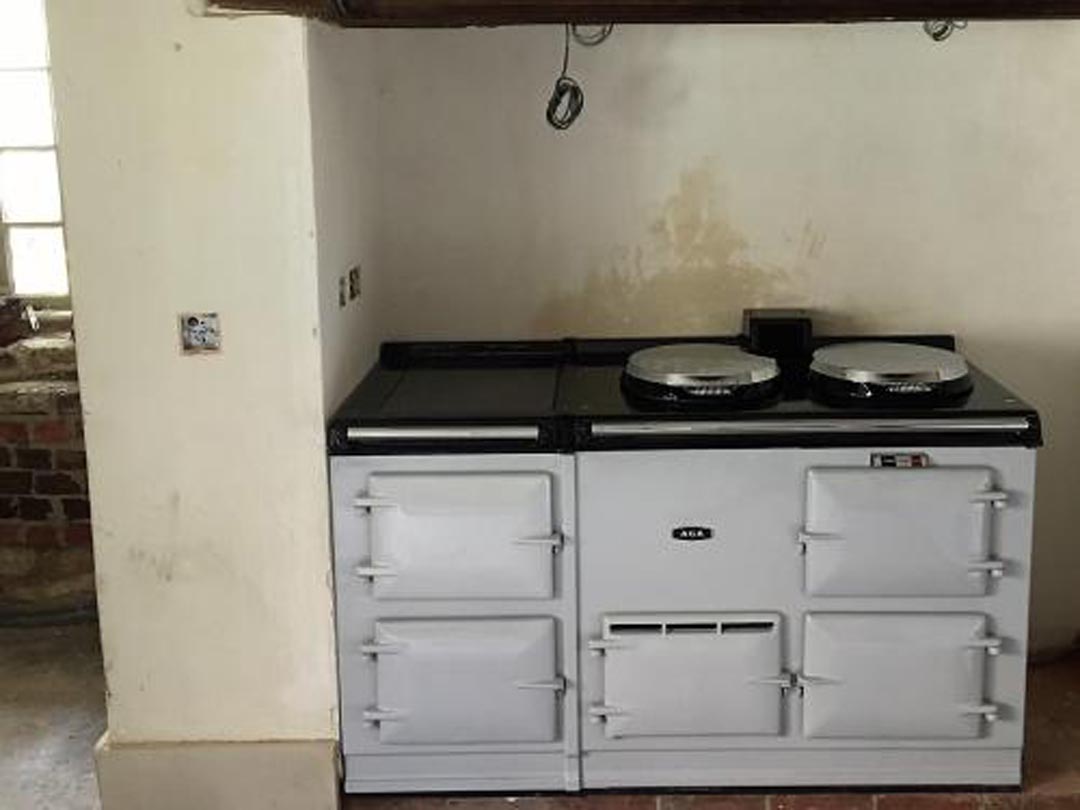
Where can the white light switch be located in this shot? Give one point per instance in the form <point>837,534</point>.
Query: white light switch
<point>200,332</point>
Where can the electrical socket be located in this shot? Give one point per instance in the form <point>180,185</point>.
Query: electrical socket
<point>354,282</point>
<point>200,332</point>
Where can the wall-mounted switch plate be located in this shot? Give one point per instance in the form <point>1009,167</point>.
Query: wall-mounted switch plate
<point>200,332</point>
<point>354,282</point>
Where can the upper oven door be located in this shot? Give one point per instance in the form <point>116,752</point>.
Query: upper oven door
<point>461,535</point>
<point>899,532</point>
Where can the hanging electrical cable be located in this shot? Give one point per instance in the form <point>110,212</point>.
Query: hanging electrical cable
<point>588,40</point>
<point>567,98</point>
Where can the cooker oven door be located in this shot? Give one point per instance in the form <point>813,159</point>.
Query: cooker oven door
<point>690,674</point>
<point>461,535</point>
<point>896,675</point>
<point>899,532</point>
<point>459,681</point>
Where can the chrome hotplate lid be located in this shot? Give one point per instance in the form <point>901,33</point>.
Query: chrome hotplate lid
<point>700,366</point>
<point>876,362</point>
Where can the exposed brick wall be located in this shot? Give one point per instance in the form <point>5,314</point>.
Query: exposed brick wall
<point>46,559</point>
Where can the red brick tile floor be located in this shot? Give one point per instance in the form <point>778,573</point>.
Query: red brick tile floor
<point>1051,774</point>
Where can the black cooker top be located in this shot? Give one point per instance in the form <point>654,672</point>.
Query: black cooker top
<point>574,394</point>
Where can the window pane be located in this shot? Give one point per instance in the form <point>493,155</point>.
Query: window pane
<point>38,261</point>
<point>29,186</point>
<point>25,108</point>
<point>23,36</point>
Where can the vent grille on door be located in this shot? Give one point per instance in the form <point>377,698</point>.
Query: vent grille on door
<point>676,628</point>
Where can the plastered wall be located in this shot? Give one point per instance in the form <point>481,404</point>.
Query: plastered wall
<point>886,181</point>
<point>187,175</point>
<point>341,77</point>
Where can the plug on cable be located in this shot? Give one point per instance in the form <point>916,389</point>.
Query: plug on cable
<point>567,98</point>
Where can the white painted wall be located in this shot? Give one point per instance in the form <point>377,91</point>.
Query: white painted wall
<point>341,76</point>
<point>888,181</point>
<point>187,175</point>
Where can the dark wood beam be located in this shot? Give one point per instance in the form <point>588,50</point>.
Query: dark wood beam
<point>520,12</point>
<point>448,13</point>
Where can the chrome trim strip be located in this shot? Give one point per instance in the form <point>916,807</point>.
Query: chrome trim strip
<point>816,426</point>
<point>444,433</point>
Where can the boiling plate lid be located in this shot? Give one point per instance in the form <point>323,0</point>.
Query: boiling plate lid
<point>883,363</point>
<point>693,365</point>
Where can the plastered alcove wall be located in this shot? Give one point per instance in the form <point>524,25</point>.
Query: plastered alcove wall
<point>213,164</point>
<point>888,182</point>
<point>186,165</point>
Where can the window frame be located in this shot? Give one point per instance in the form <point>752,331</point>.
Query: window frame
<point>7,278</point>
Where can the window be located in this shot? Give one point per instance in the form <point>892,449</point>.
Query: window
<point>33,258</point>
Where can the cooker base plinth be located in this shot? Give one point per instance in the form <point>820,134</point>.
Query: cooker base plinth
<point>462,773</point>
<point>791,769</point>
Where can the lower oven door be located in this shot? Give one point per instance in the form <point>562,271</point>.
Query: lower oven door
<point>466,681</point>
<point>895,675</point>
<point>690,674</point>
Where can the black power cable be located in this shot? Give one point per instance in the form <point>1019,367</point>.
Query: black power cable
<point>567,98</point>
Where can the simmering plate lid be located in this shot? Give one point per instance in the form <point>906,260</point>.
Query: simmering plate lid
<point>884,363</point>
<point>697,365</point>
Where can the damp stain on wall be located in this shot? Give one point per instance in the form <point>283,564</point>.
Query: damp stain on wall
<point>691,274</point>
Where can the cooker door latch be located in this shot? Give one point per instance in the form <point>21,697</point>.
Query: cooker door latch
<point>994,498</point>
<point>376,715</point>
<point>804,538</point>
<point>991,645</point>
<point>989,712</point>
<point>367,502</point>
<point>992,568</point>
<point>555,541</point>
<point>373,571</point>
<point>802,681</point>
<point>599,712</point>
<point>376,648</point>
<point>785,680</point>
<point>599,646</point>
<point>556,684</point>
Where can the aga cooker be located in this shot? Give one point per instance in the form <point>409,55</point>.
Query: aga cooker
<point>772,559</point>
